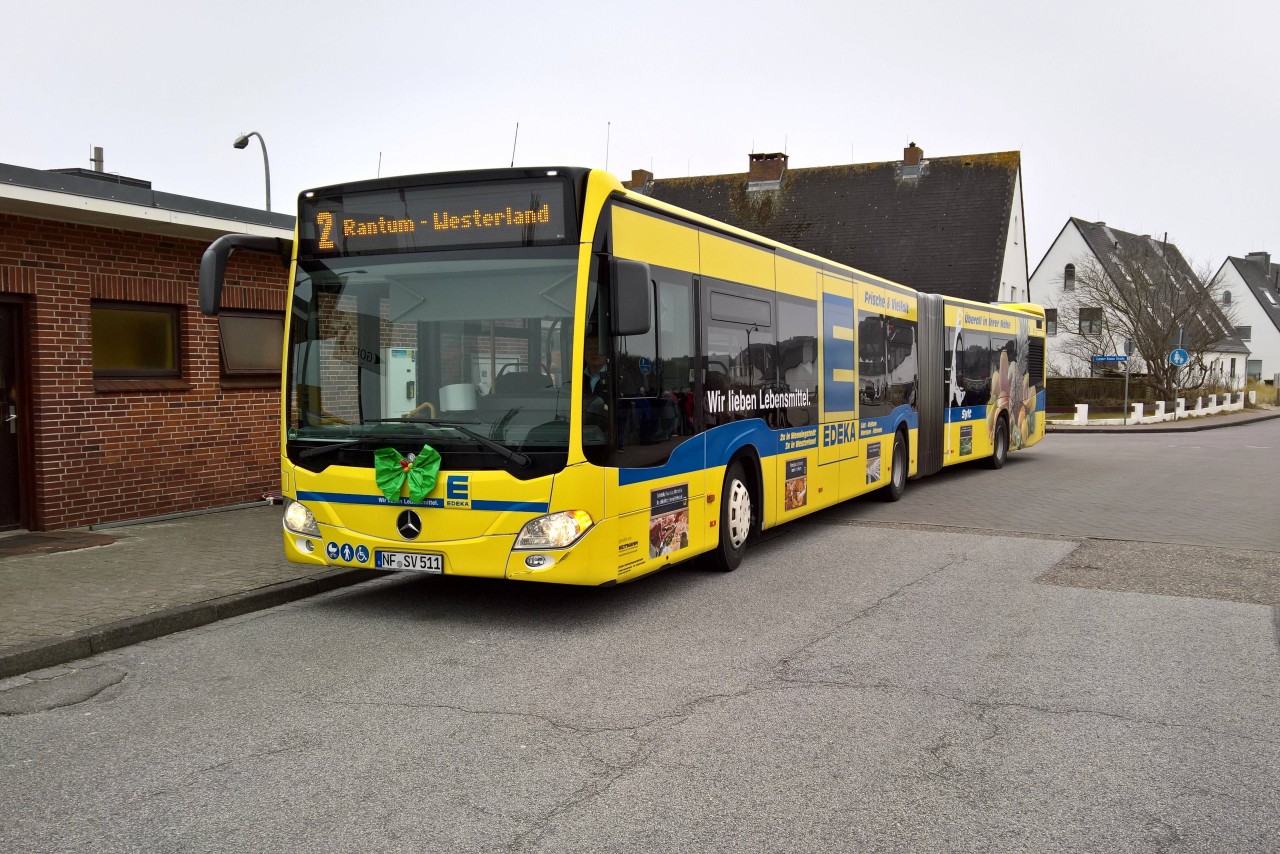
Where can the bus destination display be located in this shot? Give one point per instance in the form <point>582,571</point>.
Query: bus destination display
<point>402,220</point>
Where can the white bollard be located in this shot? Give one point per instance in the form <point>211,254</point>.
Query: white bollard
<point>1253,398</point>
<point>1180,409</point>
<point>1213,404</point>
<point>1159,416</point>
<point>1137,413</point>
<point>1082,414</point>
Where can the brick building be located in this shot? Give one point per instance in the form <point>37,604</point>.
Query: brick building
<point>120,399</point>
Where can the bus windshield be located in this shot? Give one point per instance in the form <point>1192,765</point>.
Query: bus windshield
<point>465,351</point>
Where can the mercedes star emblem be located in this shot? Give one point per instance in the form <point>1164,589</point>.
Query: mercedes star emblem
<point>409,525</point>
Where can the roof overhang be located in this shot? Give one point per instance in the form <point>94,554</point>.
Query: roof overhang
<point>21,194</point>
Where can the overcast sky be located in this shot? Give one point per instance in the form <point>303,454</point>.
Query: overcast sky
<point>1154,116</point>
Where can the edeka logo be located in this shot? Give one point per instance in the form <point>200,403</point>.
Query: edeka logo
<point>839,434</point>
<point>457,491</point>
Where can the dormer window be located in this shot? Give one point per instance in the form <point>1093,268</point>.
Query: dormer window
<point>1069,278</point>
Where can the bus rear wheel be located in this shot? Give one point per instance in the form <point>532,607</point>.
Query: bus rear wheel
<point>897,470</point>
<point>736,520</point>
<point>1000,451</point>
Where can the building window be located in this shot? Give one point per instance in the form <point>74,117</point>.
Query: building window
<point>1226,297</point>
<point>1091,321</point>
<point>135,341</point>
<point>1069,278</point>
<point>1254,368</point>
<point>1050,322</point>
<point>251,345</point>
<point>1244,333</point>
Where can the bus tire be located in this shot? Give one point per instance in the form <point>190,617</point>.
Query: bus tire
<point>1000,449</point>
<point>897,469</point>
<point>736,519</point>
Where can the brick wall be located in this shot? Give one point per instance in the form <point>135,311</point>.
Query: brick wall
<point>130,449</point>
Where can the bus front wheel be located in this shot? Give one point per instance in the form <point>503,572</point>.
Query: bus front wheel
<point>735,520</point>
<point>1000,451</point>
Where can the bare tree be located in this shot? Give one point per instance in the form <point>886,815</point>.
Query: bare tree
<point>1143,292</point>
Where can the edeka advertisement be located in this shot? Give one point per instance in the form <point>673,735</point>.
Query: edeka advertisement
<point>668,520</point>
<point>796,488</point>
<point>989,367</point>
<point>1013,391</point>
<point>873,463</point>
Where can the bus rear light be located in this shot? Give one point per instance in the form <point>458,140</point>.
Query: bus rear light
<point>554,531</point>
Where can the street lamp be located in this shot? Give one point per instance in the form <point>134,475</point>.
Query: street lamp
<point>242,141</point>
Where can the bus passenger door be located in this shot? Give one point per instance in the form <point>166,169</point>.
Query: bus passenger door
<point>655,443</point>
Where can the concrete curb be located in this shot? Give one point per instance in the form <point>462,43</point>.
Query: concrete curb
<point>48,653</point>
<point>1161,428</point>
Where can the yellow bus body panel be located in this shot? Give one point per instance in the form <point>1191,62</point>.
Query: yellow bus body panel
<point>640,237</point>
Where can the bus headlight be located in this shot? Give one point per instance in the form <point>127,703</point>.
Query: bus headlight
<point>554,531</point>
<point>298,519</point>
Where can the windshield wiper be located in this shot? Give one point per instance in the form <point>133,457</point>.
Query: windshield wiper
<point>324,449</point>
<point>522,460</point>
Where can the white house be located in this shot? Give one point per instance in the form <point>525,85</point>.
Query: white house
<point>1251,287</point>
<point>1083,245</point>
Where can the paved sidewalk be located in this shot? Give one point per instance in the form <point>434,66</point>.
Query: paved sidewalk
<point>67,595</point>
<point>1182,425</point>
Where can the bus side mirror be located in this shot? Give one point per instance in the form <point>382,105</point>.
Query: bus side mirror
<point>213,264</point>
<point>631,295</point>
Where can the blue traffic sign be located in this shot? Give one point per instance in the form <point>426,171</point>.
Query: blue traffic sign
<point>1111,358</point>
<point>1179,357</point>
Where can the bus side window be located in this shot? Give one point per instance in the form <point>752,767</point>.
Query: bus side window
<point>798,357</point>
<point>739,349</point>
<point>976,362</point>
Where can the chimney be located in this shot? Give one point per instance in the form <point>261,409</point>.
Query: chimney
<point>1262,259</point>
<point>766,167</point>
<point>640,179</point>
<point>96,160</point>
<point>912,155</point>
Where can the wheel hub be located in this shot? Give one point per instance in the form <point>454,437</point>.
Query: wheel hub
<point>739,513</point>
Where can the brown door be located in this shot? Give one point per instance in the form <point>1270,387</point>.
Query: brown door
<point>10,398</point>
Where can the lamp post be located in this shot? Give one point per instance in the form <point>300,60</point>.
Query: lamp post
<point>242,141</point>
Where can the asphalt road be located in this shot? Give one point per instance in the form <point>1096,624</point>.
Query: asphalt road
<point>881,685</point>
<point>1212,488</point>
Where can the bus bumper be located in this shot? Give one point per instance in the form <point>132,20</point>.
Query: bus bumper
<point>478,557</point>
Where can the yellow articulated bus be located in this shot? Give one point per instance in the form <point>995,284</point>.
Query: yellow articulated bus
<point>536,374</point>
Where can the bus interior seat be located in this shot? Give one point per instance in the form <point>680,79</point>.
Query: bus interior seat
<point>520,382</point>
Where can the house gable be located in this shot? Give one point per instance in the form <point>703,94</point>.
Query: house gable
<point>1254,284</point>
<point>1081,242</point>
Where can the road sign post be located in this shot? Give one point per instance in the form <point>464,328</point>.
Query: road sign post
<point>1178,357</point>
<point>1124,357</point>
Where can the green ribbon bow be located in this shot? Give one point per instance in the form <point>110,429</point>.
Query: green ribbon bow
<point>391,471</point>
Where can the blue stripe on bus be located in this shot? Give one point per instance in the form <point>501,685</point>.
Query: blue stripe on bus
<point>958,413</point>
<point>709,450</point>
<point>476,504</point>
<point>887,424</point>
<point>515,506</point>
